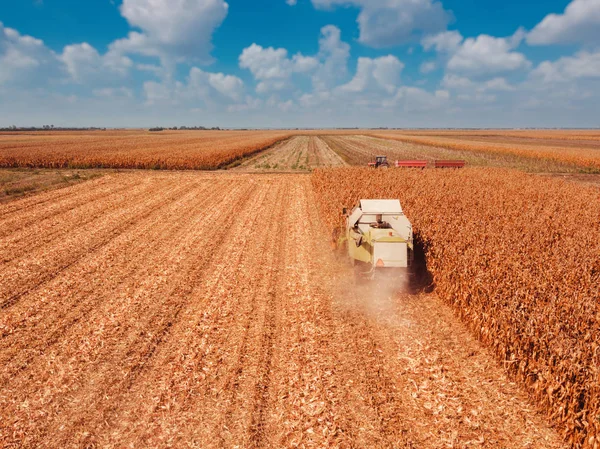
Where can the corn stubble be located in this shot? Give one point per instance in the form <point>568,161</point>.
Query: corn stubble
<point>518,257</point>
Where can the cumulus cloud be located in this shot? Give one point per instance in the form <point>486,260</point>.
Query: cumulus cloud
<point>583,65</point>
<point>333,56</point>
<point>498,84</point>
<point>386,23</point>
<point>444,42</point>
<point>453,81</point>
<point>172,28</point>
<point>85,64</point>
<point>481,55</point>
<point>201,88</point>
<point>428,67</point>
<point>25,59</point>
<point>580,22</point>
<point>113,92</point>
<point>415,99</point>
<point>228,85</point>
<point>273,63</point>
<point>375,74</point>
<point>487,54</point>
<point>272,66</point>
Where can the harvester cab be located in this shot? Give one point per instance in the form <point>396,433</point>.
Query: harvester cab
<point>379,238</point>
<point>380,162</point>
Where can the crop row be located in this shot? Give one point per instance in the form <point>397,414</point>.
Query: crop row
<point>518,257</point>
<point>177,150</point>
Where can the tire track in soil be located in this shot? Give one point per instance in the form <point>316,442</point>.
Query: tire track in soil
<point>232,386</point>
<point>236,249</point>
<point>270,328</point>
<point>14,208</point>
<point>50,228</point>
<point>39,304</point>
<point>19,341</point>
<point>41,268</point>
<point>209,217</point>
<point>141,352</point>
<point>13,218</point>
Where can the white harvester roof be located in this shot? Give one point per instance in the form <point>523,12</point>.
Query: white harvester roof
<point>381,206</point>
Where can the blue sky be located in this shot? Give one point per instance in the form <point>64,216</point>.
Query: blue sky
<point>303,63</point>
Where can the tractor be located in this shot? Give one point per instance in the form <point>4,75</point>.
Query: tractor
<point>380,162</point>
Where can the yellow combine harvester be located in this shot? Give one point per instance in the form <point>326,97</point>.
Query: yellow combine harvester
<point>379,238</point>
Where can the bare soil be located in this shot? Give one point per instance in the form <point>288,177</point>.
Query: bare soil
<point>186,309</point>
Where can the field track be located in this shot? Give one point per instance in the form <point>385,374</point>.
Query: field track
<point>300,153</point>
<point>165,309</point>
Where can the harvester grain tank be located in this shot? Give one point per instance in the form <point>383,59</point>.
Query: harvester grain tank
<point>379,237</point>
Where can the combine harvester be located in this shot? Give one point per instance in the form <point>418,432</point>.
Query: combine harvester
<point>382,162</point>
<point>379,238</point>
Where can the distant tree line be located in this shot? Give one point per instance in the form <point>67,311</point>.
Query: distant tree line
<point>186,128</point>
<point>49,128</point>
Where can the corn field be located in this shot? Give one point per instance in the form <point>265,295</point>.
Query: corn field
<point>203,150</point>
<point>518,257</point>
<point>564,148</point>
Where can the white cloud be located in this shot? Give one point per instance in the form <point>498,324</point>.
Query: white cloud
<point>498,84</point>
<point>486,54</point>
<point>453,81</point>
<point>375,74</point>
<point>272,67</point>
<point>481,55</point>
<point>266,63</point>
<point>25,59</point>
<point>205,85</point>
<point>445,42</point>
<point>415,99</point>
<point>291,2</point>
<point>580,22</point>
<point>303,64</point>
<point>205,88</point>
<point>428,67</point>
<point>386,23</point>
<point>172,29</point>
<point>228,85</point>
<point>333,56</point>
<point>85,64</point>
<point>583,65</point>
<point>156,92</point>
<point>113,92</point>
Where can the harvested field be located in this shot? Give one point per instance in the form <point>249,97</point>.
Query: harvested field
<point>202,150</point>
<point>169,309</point>
<point>577,149</point>
<point>359,150</point>
<point>22,181</point>
<point>518,257</point>
<point>300,153</point>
